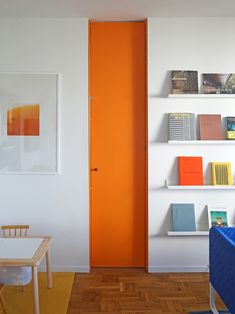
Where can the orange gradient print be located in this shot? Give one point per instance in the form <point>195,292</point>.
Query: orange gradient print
<point>23,120</point>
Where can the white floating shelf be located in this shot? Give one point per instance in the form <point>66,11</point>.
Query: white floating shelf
<point>203,142</point>
<point>188,233</point>
<point>201,96</point>
<point>201,187</point>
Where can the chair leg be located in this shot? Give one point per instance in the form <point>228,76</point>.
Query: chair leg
<point>2,304</point>
<point>22,288</point>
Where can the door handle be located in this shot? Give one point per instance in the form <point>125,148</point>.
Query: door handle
<point>94,169</point>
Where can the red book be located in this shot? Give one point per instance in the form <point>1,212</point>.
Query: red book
<point>190,170</point>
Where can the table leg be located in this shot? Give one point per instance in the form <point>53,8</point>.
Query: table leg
<point>35,289</point>
<point>212,300</point>
<point>48,267</point>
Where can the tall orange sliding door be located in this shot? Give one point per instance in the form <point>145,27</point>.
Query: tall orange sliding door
<point>118,144</point>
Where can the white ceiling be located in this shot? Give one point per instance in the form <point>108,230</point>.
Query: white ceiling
<point>116,9</point>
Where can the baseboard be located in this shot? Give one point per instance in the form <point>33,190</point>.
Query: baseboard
<point>73,269</point>
<point>151,269</point>
<point>178,269</point>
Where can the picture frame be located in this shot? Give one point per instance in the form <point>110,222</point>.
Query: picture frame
<point>29,122</point>
<point>218,215</point>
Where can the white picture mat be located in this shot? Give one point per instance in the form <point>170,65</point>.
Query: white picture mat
<point>25,248</point>
<point>29,154</point>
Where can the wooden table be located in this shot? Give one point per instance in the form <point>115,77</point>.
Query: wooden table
<point>27,251</point>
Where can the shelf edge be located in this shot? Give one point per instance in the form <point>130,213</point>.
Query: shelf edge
<point>202,142</point>
<point>201,96</point>
<point>188,233</point>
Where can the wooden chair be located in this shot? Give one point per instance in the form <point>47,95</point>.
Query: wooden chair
<point>8,275</point>
<point>2,306</point>
<point>15,230</point>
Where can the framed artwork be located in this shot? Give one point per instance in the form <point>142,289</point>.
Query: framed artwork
<point>217,215</point>
<point>28,123</point>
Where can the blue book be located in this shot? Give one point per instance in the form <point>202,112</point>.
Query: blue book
<point>183,217</point>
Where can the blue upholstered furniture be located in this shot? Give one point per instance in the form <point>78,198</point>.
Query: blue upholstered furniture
<point>222,267</point>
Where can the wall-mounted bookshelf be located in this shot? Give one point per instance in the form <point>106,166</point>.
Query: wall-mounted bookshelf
<point>201,96</point>
<point>173,185</point>
<point>187,233</point>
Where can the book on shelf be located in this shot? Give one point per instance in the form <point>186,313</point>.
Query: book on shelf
<point>218,83</point>
<point>183,217</point>
<point>190,170</point>
<point>182,126</point>
<point>221,173</point>
<point>217,215</point>
<point>230,122</point>
<point>210,127</point>
<point>184,82</point>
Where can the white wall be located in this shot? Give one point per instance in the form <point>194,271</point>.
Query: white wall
<point>54,205</point>
<point>206,45</point>
<point>58,204</point>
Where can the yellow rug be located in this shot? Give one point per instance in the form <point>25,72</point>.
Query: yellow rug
<point>52,301</point>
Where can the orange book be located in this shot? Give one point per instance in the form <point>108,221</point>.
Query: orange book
<point>190,170</point>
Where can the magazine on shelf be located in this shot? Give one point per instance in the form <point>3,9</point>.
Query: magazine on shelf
<point>230,128</point>
<point>218,83</point>
<point>184,82</point>
<point>190,170</point>
<point>210,127</point>
<point>218,215</point>
<point>182,126</point>
<point>221,173</point>
<point>183,217</point>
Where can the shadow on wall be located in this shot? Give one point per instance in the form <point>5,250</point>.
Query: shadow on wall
<point>173,177</point>
<point>202,221</point>
<point>165,226</point>
<point>165,87</point>
<point>207,174</point>
<point>162,133</point>
<point>164,90</point>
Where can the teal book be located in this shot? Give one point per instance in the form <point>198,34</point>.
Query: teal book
<point>183,217</point>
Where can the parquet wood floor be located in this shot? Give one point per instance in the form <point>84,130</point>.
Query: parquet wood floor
<point>132,291</point>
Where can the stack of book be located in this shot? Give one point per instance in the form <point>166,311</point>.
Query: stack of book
<point>182,126</point>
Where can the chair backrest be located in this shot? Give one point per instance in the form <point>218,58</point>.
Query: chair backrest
<point>15,230</point>
<point>15,275</point>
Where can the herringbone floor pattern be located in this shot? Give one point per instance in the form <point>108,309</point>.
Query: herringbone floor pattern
<point>130,291</point>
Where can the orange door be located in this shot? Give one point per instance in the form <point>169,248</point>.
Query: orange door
<point>118,139</point>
